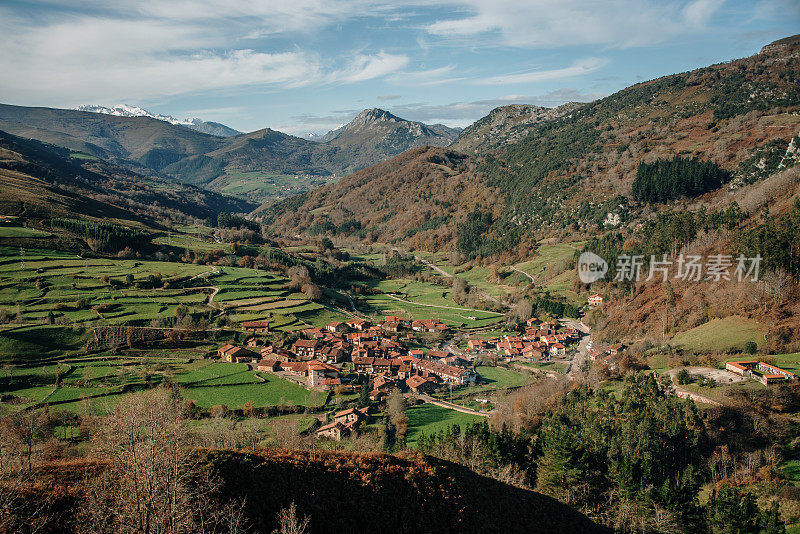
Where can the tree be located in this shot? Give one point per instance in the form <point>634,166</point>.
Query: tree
<point>396,408</point>
<point>562,467</point>
<point>751,347</point>
<point>524,310</point>
<point>729,511</point>
<point>312,291</point>
<point>290,523</point>
<point>151,482</point>
<point>363,394</point>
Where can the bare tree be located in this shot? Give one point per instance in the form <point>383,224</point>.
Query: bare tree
<point>396,408</point>
<point>149,485</point>
<point>290,522</point>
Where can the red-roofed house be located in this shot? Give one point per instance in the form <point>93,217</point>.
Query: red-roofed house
<point>240,355</point>
<point>595,300</point>
<point>259,327</point>
<point>336,326</point>
<point>305,348</point>
<point>420,384</point>
<point>223,350</point>
<point>334,431</point>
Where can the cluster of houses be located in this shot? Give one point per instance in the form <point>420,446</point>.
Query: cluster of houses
<point>763,372</point>
<point>541,341</point>
<point>316,360</point>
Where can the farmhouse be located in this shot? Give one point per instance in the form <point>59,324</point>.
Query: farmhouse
<point>335,431</point>
<point>351,415</point>
<point>428,325</point>
<point>763,372</point>
<point>239,355</point>
<point>448,373</point>
<point>420,384</point>
<point>595,300</point>
<point>258,327</point>
<point>336,327</point>
<point>305,348</point>
<point>477,344</point>
<point>358,324</point>
<point>224,349</point>
<point>270,366</point>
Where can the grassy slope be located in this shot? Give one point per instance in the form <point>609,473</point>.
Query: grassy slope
<point>721,335</point>
<point>429,419</point>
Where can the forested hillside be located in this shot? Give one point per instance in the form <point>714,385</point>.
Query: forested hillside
<point>41,181</point>
<point>414,199</point>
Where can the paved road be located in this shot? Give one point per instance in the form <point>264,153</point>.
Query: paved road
<point>575,368</point>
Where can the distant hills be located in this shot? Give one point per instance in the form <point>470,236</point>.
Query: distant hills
<point>414,198</point>
<point>251,162</point>
<point>124,110</point>
<point>376,135</point>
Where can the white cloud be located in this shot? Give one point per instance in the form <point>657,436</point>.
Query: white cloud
<point>364,67</point>
<point>558,23</point>
<point>427,77</point>
<point>84,59</point>
<point>582,66</point>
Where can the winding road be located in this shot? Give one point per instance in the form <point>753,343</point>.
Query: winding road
<point>513,268</point>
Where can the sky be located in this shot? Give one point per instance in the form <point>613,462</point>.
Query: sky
<point>303,66</point>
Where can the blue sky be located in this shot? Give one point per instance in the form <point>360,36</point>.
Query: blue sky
<point>308,65</point>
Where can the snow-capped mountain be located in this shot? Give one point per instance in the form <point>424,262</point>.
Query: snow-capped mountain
<point>125,110</point>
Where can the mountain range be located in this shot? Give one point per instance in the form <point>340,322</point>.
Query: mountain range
<point>536,172</point>
<point>124,110</point>
<point>163,146</point>
<point>531,170</point>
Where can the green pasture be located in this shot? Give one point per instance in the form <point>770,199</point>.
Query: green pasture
<point>721,335</point>
<point>430,419</point>
<point>19,231</point>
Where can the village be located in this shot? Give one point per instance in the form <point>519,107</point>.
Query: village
<point>386,355</point>
<point>413,357</point>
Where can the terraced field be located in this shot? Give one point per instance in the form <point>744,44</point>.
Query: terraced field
<point>192,242</point>
<point>37,286</point>
<point>422,300</point>
<point>19,231</point>
<point>97,383</point>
